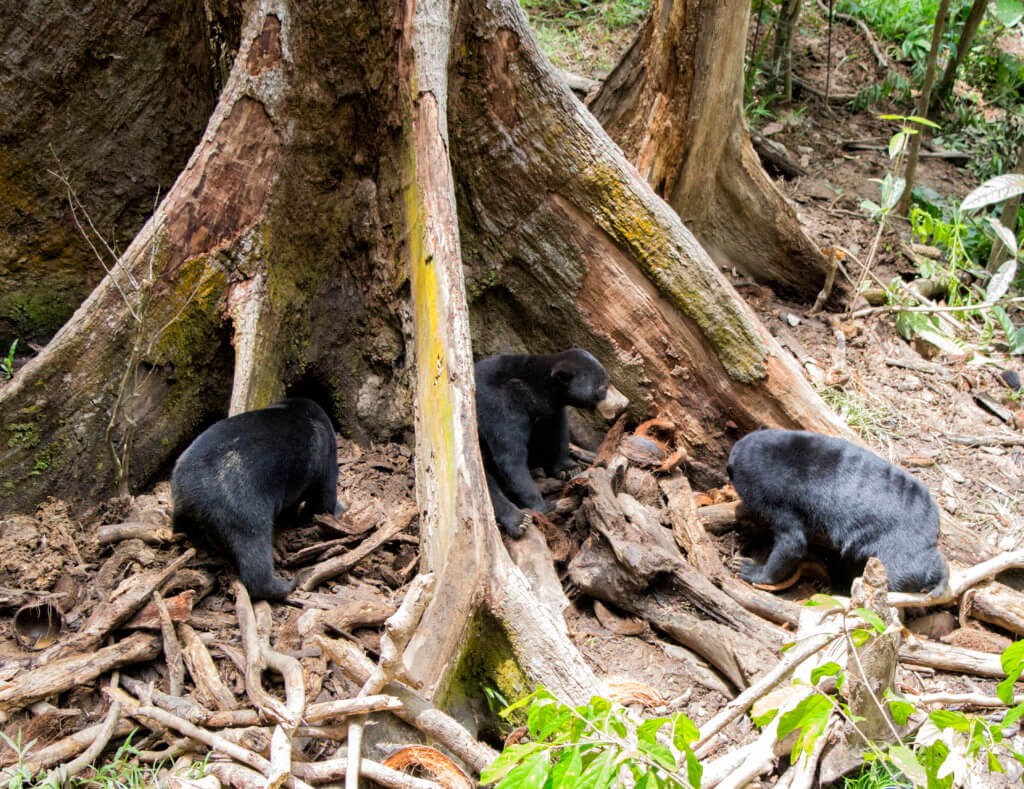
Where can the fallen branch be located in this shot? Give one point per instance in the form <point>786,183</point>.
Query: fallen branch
<point>68,747</point>
<point>54,678</point>
<point>960,581</point>
<point>415,710</point>
<point>333,567</point>
<point>172,648</point>
<point>209,686</point>
<point>110,616</point>
<point>961,700</point>
<point>61,774</point>
<point>397,631</point>
<point>155,534</point>
<point>883,61</point>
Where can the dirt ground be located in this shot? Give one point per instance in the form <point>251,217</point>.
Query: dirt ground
<point>908,407</point>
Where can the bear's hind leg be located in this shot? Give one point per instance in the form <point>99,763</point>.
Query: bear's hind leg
<point>788,548</point>
<point>253,552</point>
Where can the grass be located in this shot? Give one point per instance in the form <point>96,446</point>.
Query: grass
<point>122,771</point>
<point>878,775</point>
<point>860,414</point>
<point>581,36</point>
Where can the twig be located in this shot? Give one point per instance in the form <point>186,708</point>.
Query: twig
<point>962,699</point>
<point>961,581</point>
<point>209,685</point>
<point>742,702</point>
<point>883,61</point>
<point>60,775</point>
<point>935,308</point>
<point>397,632</point>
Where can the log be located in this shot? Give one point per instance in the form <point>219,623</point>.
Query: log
<point>598,574</point>
<point>998,604</point>
<point>70,672</point>
<point>949,658</point>
<point>688,530</point>
<point>722,518</point>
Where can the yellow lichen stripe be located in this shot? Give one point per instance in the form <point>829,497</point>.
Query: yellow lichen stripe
<point>435,430</point>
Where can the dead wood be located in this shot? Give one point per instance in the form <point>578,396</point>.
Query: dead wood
<point>399,520</point>
<point>210,688</point>
<point>532,555</point>
<point>69,672</point>
<point>415,710</point>
<point>154,534</point>
<point>147,714</point>
<point>109,616</point>
<point>645,554</point>
<point>434,762</point>
<point>875,660</point>
<point>333,769</point>
<point>61,774</point>
<point>597,572</point>
<point>177,608</point>
<point>724,517</point>
<point>172,647</point>
<point>997,604</point>
<point>949,658</point>
<point>397,632</point>
<point>687,528</point>
<point>346,615</point>
<point>67,748</point>
<point>961,580</point>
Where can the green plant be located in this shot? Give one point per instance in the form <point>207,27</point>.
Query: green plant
<point>596,745</point>
<point>878,774</point>
<point>7,363</point>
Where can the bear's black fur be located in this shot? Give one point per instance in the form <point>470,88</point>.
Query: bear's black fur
<point>808,486</point>
<point>243,473</point>
<point>522,424</point>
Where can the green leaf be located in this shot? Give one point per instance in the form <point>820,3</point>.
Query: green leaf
<point>568,769</point>
<point>950,719</point>
<point>694,769</point>
<point>871,618</point>
<point>1012,661</point>
<point>1009,12</point>
<point>810,716</point>
<point>994,764</point>
<point>684,732</point>
<point>923,121</point>
<point>824,599</point>
<point>1012,716</point>
<point>829,669</point>
<point>994,190</point>
<point>1001,280</point>
<point>507,759</point>
<point>897,143</point>
<point>1005,235</point>
<point>901,711</point>
<point>859,636</point>
<point>647,732</point>
<point>906,760</point>
<point>763,720</point>
<point>528,699</point>
<point>530,774</point>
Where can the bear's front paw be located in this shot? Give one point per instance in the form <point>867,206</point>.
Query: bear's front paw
<point>276,588</point>
<point>516,523</point>
<point>564,471</point>
<point>752,572</point>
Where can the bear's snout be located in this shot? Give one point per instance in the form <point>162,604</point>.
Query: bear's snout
<point>612,404</point>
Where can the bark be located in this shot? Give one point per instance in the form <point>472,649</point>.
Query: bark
<point>378,184</point>
<point>674,104</point>
<point>115,96</point>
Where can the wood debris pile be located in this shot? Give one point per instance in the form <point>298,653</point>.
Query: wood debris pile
<point>135,632</point>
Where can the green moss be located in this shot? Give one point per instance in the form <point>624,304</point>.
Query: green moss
<point>34,313</point>
<point>24,435</point>
<point>487,662</point>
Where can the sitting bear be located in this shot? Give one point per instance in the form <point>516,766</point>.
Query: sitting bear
<point>808,485</point>
<point>243,473</point>
<point>522,424</point>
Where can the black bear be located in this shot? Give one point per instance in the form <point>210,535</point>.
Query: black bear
<point>808,486</point>
<point>522,424</point>
<point>243,473</point>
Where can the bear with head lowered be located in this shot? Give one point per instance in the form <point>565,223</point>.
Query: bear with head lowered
<point>522,422</point>
<point>244,474</point>
<point>811,486</point>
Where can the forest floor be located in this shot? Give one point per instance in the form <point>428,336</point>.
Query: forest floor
<point>918,408</point>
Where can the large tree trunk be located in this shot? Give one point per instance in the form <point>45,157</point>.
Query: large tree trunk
<point>674,103</point>
<point>316,229</point>
<point>92,89</point>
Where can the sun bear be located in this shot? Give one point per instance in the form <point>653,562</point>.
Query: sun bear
<point>246,473</point>
<point>522,423</point>
<point>807,486</point>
